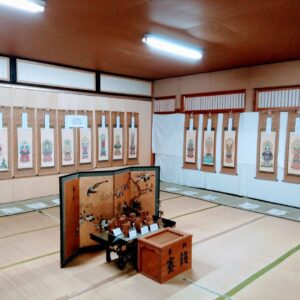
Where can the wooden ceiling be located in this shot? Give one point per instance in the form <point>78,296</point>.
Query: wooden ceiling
<point>106,35</point>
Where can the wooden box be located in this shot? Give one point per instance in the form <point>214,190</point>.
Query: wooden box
<point>164,254</point>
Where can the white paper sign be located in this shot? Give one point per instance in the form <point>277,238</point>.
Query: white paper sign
<point>118,121</point>
<point>1,120</point>
<point>132,234</point>
<point>132,122</point>
<point>103,121</point>
<point>229,124</point>
<point>269,125</point>
<point>153,227</point>
<point>24,120</point>
<point>76,121</point>
<point>117,231</point>
<point>144,230</point>
<point>191,124</point>
<point>208,124</point>
<point>297,127</point>
<point>47,121</point>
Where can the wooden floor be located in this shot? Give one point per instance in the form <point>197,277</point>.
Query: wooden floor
<point>236,255</point>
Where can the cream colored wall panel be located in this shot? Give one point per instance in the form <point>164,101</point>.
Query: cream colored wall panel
<point>49,75</point>
<point>19,189</point>
<point>4,68</point>
<point>122,85</point>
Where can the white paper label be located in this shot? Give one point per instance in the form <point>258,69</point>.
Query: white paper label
<point>103,121</point>
<point>269,125</point>
<point>144,230</point>
<point>191,124</point>
<point>76,121</point>
<point>297,127</point>
<point>229,124</point>
<point>24,120</point>
<point>208,125</point>
<point>118,121</point>
<point>132,122</point>
<point>132,234</point>
<point>47,121</point>
<point>1,120</point>
<point>153,227</point>
<point>117,231</point>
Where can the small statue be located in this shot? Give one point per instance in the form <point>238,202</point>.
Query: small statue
<point>125,228</point>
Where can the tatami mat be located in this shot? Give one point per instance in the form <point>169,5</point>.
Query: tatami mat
<point>281,282</point>
<point>229,246</point>
<point>267,208</point>
<point>22,223</point>
<point>20,207</point>
<point>183,205</point>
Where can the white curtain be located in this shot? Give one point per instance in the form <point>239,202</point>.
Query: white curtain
<point>167,144</point>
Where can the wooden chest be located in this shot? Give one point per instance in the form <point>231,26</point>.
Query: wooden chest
<point>164,254</point>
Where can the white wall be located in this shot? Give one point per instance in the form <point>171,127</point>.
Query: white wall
<point>168,136</point>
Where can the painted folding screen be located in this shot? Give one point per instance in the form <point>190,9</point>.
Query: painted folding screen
<point>89,197</point>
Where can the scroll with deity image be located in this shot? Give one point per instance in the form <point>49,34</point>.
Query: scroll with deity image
<point>118,143</point>
<point>67,146</point>
<point>294,154</point>
<point>209,147</point>
<point>85,138</point>
<point>25,142</point>
<point>229,145</point>
<point>3,149</point>
<point>132,143</point>
<point>47,148</point>
<point>190,146</point>
<point>267,152</point>
<point>103,146</point>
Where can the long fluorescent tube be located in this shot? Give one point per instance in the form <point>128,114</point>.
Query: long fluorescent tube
<point>27,5</point>
<point>171,47</point>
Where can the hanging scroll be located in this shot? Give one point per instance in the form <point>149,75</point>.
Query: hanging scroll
<point>230,140</point>
<point>133,138</point>
<point>67,142</point>
<point>103,138</point>
<point>47,141</point>
<point>118,147</point>
<point>208,142</point>
<point>24,154</point>
<point>190,150</point>
<point>5,157</point>
<point>267,146</point>
<point>85,146</point>
<point>292,152</point>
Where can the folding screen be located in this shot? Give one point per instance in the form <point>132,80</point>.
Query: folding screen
<point>85,143</point>
<point>89,197</point>
<point>5,143</point>
<point>190,145</point>
<point>133,141</point>
<point>267,146</point>
<point>103,138</point>
<point>24,139</point>
<point>208,160</point>
<point>47,142</point>
<point>67,143</point>
<point>118,147</point>
<point>229,143</point>
<point>292,151</point>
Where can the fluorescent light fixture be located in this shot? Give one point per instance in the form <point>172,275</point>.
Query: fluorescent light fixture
<point>164,45</point>
<point>36,6</point>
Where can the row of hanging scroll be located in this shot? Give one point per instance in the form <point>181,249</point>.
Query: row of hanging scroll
<point>267,145</point>
<point>44,142</point>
